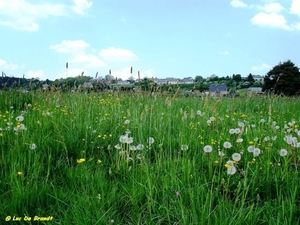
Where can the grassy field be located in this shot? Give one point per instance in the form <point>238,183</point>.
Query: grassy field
<point>114,158</point>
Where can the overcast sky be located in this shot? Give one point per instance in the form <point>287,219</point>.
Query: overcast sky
<point>159,38</point>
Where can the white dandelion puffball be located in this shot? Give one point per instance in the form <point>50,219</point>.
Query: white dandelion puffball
<point>236,156</point>
<point>283,152</point>
<point>207,148</point>
<point>227,144</point>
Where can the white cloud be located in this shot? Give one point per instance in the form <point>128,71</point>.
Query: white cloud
<point>118,55</point>
<point>272,13</point>
<point>80,6</point>
<point>76,71</point>
<point>79,58</point>
<point>295,7</point>
<point>296,26</point>
<point>261,67</point>
<point>23,15</point>
<point>90,61</point>
<point>147,73</point>
<point>7,66</point>
<point>271,7</point>
<point>238,3</point>
<point>36,74</point>
<point>124,73</point>
<point>270,19</point>
<point>69,46</point>
<point>224,53</point>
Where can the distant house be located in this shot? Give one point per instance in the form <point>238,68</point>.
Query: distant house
<point>218,90</point>
<point>122,82</point>
<point>186,80</point>
<point>254,90</point>
<point>258,78</point>
<point>46,87</point>
<point>168,80</point>
<point>87,85</point>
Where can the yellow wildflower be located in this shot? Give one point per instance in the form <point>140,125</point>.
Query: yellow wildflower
<point>80,160</point>
<point>227,165</point>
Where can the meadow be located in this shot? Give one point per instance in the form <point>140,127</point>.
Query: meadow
<point>127,158</point>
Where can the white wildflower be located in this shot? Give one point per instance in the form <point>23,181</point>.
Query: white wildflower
<point>32,146</point>
<point>283,152</point>
<point>150,140</point>
<point>139,147</point>
<point>20,118</point>
<point>227,144</point>
<point>256,152</point>
<point>232,131</point>
<point>184,147</point>
<point>207,148</point>
<point>239,140</point>
<point>237,130</point>
<point>236,156</point>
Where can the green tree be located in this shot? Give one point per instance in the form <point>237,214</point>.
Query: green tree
<point>198,78</point>
<point>284,78</point>
<point>237,77</point>
<point>250,78</point>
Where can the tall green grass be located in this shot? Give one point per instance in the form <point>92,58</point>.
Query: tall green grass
<point>66,160</point>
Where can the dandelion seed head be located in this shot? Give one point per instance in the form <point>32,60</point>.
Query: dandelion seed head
<point>132,148</point>
<point>241,124</point>
<point>283,152</point>
<point>236,157</point>
<point>207,149</point>
<point>221,153</point>
<point>239,140</point>
<point>199,113</point>
<point>227,144</point>
<point>19,118</point>
<point>118,146</point>
<point>129,140</point>
<point>140,147</point>
<point>184,147</point>
<point>139,156</point>
<point>230,167</point>
<point>256,152</point>
<point>232,131</point>
<point>267,138</point>
<point>32,146</point>
<point>237,130</point>
<point>150,140</point>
